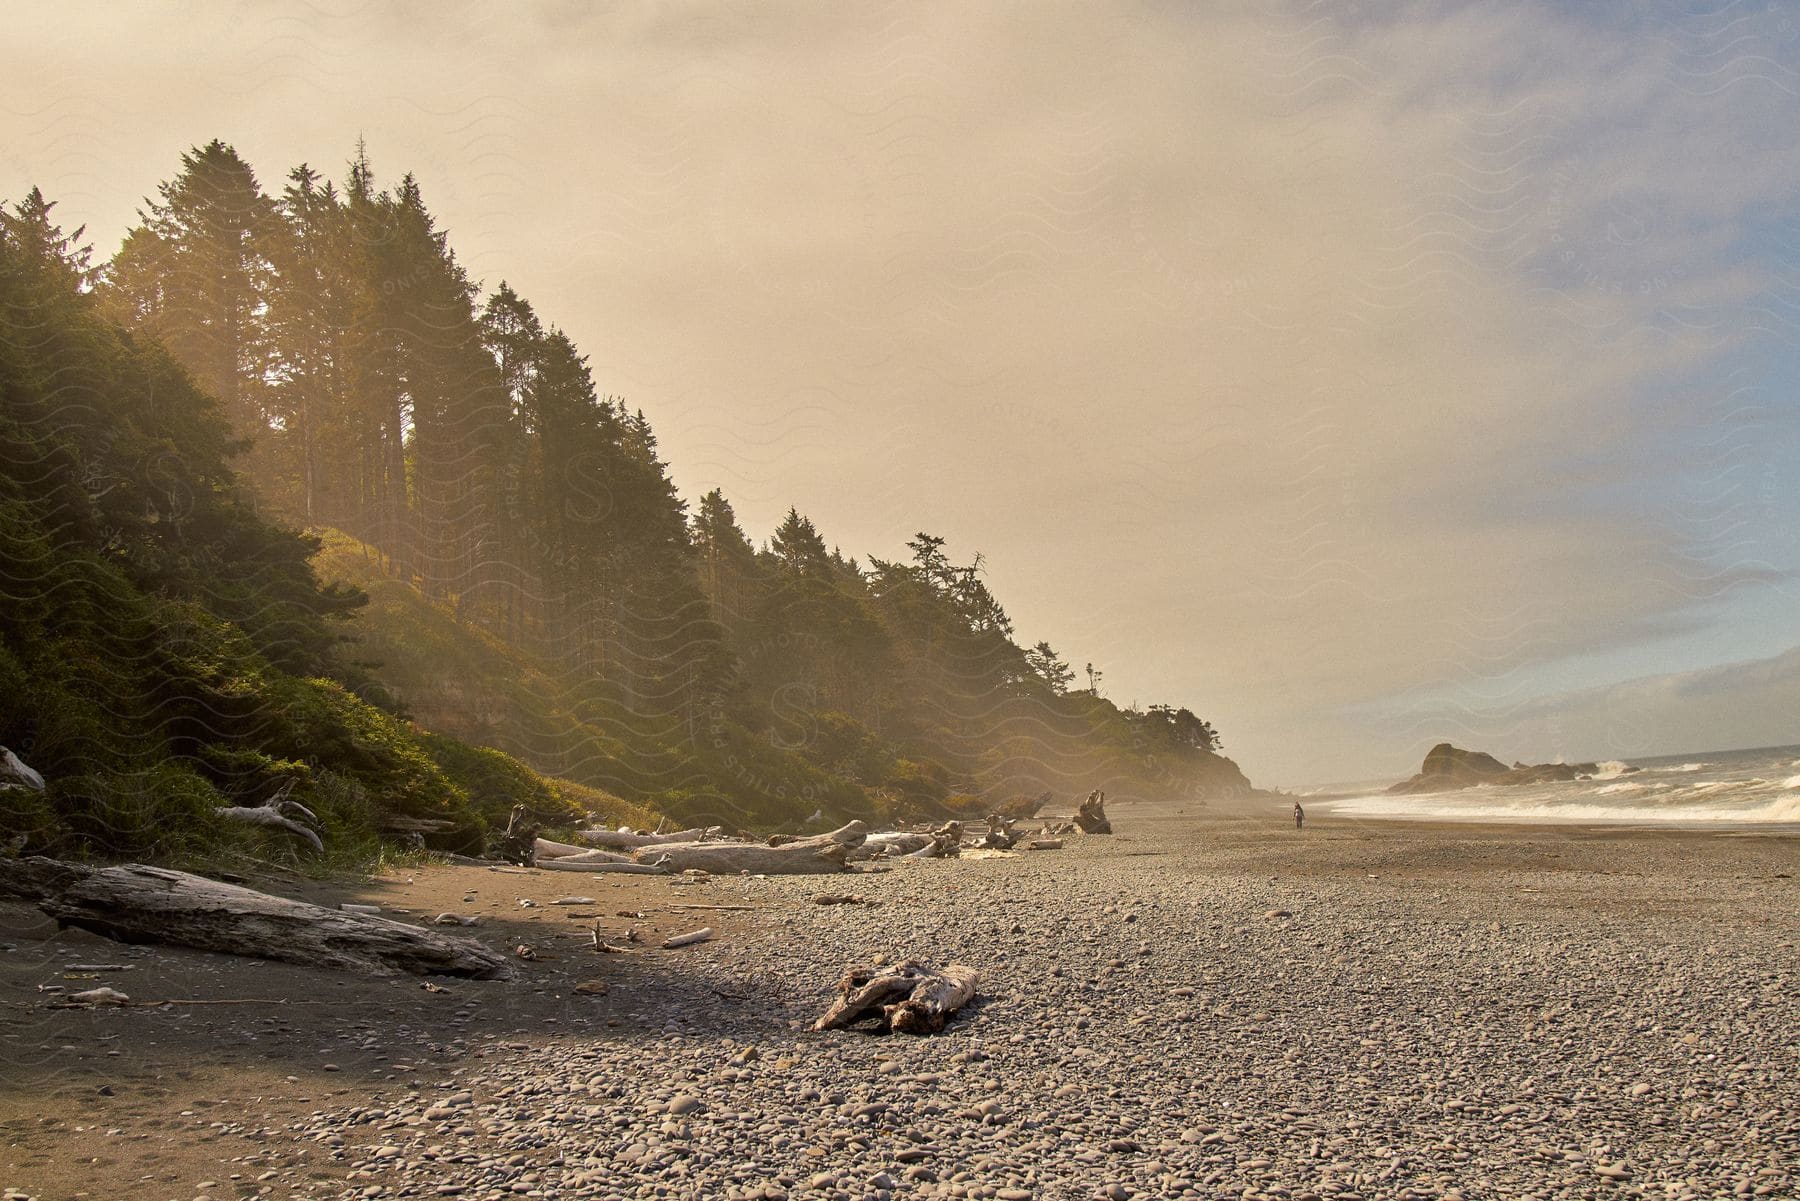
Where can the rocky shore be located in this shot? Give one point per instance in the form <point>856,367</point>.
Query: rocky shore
<point>1216,1008</point>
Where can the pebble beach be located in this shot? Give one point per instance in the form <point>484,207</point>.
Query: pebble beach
<point>1198,1006</point>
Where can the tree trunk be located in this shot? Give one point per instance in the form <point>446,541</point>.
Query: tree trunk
<point>138,904</point>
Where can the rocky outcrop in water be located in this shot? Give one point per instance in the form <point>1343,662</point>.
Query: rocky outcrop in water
<point>1448,768</point>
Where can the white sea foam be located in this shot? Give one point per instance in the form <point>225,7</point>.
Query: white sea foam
<point>1779,809</point>
<point>1732,789</point>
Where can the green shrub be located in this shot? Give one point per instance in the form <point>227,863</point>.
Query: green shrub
<point>162,812</point>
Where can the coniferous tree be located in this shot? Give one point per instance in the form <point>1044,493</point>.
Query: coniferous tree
<point>313,300</point>
<point>195,274</point>
<point>1049,667</point>
<point>727,562</point>
<point>514,338</point>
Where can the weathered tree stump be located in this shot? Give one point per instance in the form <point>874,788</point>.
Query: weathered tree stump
<point>1091,817</point>
<point>519,844</point>
<point>906,997</point>
<point>138,904</point>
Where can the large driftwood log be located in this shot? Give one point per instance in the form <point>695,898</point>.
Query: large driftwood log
<point>906,997</point>
<point>597,866</point>
<point>894,843</point>
<point>624,840</point>
<point>546,849</point>
<point>825,853</point>
<point>139,904</point>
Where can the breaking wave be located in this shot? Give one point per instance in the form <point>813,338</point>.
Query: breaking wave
<point>1727,789</point>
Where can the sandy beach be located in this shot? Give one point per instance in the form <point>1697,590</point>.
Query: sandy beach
<point>1197,1006</point>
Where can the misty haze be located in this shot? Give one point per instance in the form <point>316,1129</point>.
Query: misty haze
<point>948,601</point>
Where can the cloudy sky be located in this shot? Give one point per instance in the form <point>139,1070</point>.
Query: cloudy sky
<point>1359,375</point>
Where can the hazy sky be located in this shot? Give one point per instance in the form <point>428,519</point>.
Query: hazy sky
<point>1358,375</point>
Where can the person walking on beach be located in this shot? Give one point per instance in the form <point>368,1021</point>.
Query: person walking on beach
<point>1299,815</point>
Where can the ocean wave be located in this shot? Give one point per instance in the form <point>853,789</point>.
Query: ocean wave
<point>1611,769</point>
<point>1488,807</point>
<point>1689,767</point>
<point>1613,789</point>
<point>1791,781</point>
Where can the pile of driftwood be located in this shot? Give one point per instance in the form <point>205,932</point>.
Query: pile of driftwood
<point>709,849</point>
<point>906,997</point>
<point>701,850</point>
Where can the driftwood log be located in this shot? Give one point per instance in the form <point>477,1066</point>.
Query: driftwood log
<point>824,853</point>
<point>138,904</point>
<point>894,843</point>
<point>625,840</point>
<point>594,866</point>
<point>703,934</point>
<point>564,851</point>
<point>906,997</point>
<point>16,773</point>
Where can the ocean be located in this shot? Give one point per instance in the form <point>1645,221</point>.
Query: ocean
<point>1713,788</point>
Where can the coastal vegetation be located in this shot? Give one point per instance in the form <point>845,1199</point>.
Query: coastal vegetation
<point>291,505</point>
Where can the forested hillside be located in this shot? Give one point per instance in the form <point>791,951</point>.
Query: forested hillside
<point>538,585</point>
<point>165,652</point>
